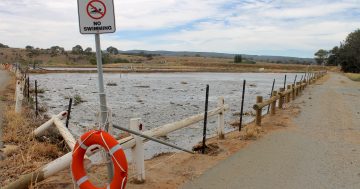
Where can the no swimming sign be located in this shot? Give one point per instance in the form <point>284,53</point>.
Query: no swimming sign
<point>96,16</point>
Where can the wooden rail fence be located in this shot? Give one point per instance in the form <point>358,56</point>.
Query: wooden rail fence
<point>132,142</point>
<point>283,96</point>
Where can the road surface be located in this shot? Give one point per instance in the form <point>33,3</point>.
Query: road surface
<point>322,151</point>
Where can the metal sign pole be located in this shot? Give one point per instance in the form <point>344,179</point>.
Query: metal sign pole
<point>103,107</point>
<point>102,95</point>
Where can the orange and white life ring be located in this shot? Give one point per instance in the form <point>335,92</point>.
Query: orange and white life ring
<point>118,158</point>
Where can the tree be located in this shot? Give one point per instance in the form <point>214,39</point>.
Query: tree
<point>112,50</point>
<point>77,49</point>
<point>333,59</point>
<point>56,50</point>
<point>321,56</point>
<point>88,50</point>
<point>32,53</point>
<point>29,48</point>
<point>349,53</point>
<point>238,58</point>
<point>3,46</point>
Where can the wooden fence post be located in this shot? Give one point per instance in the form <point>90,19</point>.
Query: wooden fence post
<point>273,104</point>
<point>297,87</point>
<point>259,99</point>
<point>221,120</point>
<point>293,92</point>
<point>282,98</point>
<point>288,94</point>
<point>138,152</point>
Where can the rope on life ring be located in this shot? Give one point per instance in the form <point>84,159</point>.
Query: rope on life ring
<point>118,158</point>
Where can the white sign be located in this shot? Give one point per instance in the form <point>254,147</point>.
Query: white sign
<point>96,16</point>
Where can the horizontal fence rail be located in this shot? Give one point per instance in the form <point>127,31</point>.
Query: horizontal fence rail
<point>282,97</point>
<point>64,161</point>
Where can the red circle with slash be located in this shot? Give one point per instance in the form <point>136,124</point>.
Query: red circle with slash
<point>96,9</point>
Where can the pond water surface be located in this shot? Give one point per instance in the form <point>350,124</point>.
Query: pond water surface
<point>157,98</point>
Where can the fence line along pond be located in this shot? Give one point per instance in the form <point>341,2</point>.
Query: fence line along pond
<point>157,98</point>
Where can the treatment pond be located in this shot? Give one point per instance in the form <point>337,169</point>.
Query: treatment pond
<point>157,98</point>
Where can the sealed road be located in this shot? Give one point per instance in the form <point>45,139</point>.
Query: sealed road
<point>322,151</point>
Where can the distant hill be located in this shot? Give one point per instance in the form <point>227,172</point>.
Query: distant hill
<point>261,58</point>
<point>56,55</point>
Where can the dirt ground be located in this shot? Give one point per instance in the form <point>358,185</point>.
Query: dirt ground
<point>321,150</point>
<point>171,170</point>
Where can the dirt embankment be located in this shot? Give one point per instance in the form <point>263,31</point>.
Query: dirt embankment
<point>22,153</point>
<point>4,78</point>
<point>186,66</point>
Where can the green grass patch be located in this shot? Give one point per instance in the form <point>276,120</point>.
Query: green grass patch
<point>353,76</point>
<point>78,99</point>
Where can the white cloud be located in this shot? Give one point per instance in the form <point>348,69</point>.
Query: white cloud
<point>204,25</point>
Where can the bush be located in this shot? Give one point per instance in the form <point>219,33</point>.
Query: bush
<point>120,60</point>
<point>93,61</point>
<point>111,83</point>
<point>78,99</point>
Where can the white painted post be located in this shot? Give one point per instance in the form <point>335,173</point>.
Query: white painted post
<point>41,129</point>
<point>110,121</point>
<point>138,152</point>
<point>221,121</point>
<point>65,133</point>
<point>18,96</point>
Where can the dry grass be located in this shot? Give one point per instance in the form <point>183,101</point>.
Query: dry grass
<point>353,76</point>
<point>26,154</point>
<point>251,132</point>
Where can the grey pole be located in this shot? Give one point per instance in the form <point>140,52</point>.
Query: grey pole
<point>102,95</point>
<point>103,107</point>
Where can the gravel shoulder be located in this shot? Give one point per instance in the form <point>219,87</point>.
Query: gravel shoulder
<point>321,151</point>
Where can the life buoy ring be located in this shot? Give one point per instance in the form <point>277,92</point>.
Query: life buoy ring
<point>118,158</point>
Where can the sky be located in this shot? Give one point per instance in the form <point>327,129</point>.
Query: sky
<point>261,27</point>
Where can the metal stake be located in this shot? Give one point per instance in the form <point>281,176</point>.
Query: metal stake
<point>36,100</point>
<point>151,138</point>
<point>205,118</point>
<point>68,114</point>
<point>242,105</point>
<point>272,89</point>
